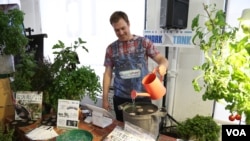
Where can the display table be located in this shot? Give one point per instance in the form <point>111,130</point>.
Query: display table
<point>98,133</point>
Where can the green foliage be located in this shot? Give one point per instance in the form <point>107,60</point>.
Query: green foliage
<point>226,70</point>
<point>199,128</point>
<point>32,75</point>
<point>65,78</point>
<point>12,39</point>
<point>43,77</point>
<point>7,136</point>
<point>24,72</point>
<point>71,81</point>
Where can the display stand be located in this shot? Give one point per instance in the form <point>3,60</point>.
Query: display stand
<point>100,117</point>
<point>99,120</point>
<point>168,123</point>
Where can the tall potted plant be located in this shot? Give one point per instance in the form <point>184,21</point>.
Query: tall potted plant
<point>12,38</point>
<point>225,72</point>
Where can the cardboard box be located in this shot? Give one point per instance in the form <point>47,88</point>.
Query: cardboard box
<point>5,93</point>
<point>6,112</point>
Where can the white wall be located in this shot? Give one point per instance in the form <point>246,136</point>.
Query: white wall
<point>32,16</point>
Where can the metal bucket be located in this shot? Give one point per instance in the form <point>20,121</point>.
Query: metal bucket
<point>7,64</point>
<point>144,115</point>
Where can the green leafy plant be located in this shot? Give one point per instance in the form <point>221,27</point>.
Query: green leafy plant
<point>43,77</point>
<point>199,128</point>
<point>225,71</point>
<point>24,72</point>
<point>12,38</point>
<point>71,80</point>
<point>7,136</point>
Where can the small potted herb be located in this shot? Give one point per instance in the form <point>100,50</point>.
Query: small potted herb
<point>198,128</point>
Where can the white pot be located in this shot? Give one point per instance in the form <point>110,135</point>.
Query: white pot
<point>7,64</point>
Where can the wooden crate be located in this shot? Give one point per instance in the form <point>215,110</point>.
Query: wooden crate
<point>5,93</point>
<point>6,112</point>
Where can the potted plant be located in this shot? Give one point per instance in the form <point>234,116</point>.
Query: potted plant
<point>32,76</point>
<point>198,128</point>
<point>225,71</point>
<point>12,38</point>
<point>70,79</point>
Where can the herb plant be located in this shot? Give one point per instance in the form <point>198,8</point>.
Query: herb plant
<point>71,80</point>
<point>12,38</point>
<point>225,73</point>
<point>24,72</point>
<point>199,128</point>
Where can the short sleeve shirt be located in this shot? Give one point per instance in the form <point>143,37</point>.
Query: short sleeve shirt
<point>129,60</point>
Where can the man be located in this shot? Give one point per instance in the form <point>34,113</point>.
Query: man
<point>127,58</point>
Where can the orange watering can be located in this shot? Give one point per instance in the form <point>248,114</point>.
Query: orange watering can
<point>153,86</point>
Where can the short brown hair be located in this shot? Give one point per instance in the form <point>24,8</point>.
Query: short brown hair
<point>117,15</point>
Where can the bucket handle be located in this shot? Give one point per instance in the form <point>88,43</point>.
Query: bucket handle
<point>121,107</point>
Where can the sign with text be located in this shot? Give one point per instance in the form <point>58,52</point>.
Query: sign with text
<point>170,38</point>
<point>235,132</point>
<point>67,113</point>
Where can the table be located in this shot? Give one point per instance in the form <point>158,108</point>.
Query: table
<point>98,133</point>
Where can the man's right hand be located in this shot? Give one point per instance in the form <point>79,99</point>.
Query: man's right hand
<point>106,105</point>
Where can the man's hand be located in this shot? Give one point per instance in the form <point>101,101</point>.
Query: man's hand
<point>106,105</point>
<point>162,70</point>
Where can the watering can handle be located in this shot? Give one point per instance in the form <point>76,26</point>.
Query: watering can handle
<point>157,70</point>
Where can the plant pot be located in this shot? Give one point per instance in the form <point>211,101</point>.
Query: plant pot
<point>144,115</point>
<point>7,64</point>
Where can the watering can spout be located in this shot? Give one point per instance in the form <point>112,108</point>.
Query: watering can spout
<point>134,94</point>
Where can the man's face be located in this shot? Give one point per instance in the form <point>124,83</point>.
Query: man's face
<point>122,30</point>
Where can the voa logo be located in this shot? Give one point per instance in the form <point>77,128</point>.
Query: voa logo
<point>236,132</point>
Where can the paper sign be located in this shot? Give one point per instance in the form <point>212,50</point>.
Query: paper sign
<point>67,115</point>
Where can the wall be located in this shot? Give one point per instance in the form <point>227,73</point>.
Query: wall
<point>32,16</point>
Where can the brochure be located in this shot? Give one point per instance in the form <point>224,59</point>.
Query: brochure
<point>28,105</point>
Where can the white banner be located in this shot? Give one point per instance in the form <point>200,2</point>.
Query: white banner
<point>170,38</point>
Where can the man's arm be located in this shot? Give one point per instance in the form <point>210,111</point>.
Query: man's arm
<point>162,64</point>
<point>107,77</point>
